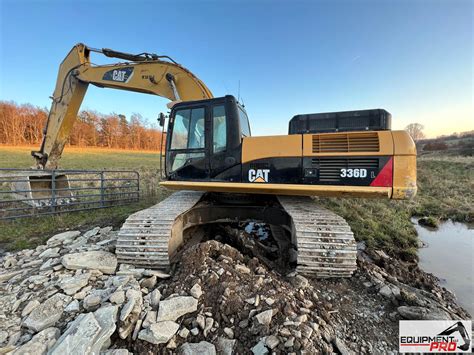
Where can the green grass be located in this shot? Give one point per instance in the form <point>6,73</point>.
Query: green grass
<point>445,189</point>
<point>444,192</point>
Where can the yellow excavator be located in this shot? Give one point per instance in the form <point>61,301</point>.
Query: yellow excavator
<point>226,176</point>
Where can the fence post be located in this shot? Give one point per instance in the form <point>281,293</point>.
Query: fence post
<point>53,191</point>
<point>138,185</point>
<point>102,185</point>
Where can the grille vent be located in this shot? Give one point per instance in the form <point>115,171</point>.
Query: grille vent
<point>330,169</point>
<point>346,142</point>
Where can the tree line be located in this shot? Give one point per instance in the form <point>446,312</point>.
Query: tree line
<point>24,124</point>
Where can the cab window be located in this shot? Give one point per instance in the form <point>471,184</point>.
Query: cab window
<point>188,129</point>
<point>219,129</point>
<point>189,135</point>
<point>244,123</point>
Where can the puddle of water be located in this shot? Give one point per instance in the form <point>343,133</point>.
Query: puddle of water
<point>449,256</point>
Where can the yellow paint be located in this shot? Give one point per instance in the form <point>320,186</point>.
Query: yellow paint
<point>76,73</point>
<point>254,148</point>
<point>404,177</point>
<point>281,189</point>
<point>404,145</point>
<point>149,78</point>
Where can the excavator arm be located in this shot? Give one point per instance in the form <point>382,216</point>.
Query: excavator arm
<point>145,73</point>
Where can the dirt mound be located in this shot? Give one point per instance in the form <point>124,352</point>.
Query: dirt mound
<point>236,290</point>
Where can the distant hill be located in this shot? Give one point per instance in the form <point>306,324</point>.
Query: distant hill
<point>454,144</point>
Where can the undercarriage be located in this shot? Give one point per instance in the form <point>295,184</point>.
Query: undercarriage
<point>285,232</point>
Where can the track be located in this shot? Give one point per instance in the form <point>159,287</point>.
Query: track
<point>325,242</point>
<point>144,238</point>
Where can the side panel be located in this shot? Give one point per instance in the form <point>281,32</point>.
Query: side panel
<point>342,170</point>
<point>336,171</point>
<point>255,148</point>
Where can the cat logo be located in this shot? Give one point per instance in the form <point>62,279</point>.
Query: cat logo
<point>118,75</point>
<point>259,175</point>
<point>121,75</point>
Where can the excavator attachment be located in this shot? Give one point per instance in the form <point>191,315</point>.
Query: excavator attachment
<point>39,188</point>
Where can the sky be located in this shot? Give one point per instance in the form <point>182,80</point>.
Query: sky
<point>412,58</point>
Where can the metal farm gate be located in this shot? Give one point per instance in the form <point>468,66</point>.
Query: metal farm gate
<point>28,192</point>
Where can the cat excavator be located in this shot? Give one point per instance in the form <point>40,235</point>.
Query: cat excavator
<point>225,175</point>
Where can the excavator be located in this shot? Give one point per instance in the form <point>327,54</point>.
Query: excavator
<point>226,175</point>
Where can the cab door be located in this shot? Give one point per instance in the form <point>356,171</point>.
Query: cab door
<point>226,139</point>
<point>188,155</point>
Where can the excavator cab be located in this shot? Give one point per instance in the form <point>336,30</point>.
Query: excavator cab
<point>205,140</point>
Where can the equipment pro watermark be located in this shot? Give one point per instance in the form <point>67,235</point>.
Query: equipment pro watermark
<point>433,336</point>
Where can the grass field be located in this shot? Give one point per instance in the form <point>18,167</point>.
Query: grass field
<point>84,158</point>
<point>445,188</point>
<point>145,162</point>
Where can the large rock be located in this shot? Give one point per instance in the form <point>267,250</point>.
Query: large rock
<point>48,313</point>
<point>4,336</point>
<point>62,238</point>
<point>196,291</point>
<point>91,232</point>
<point>225,346</point>
<point>260,348</point>
<point>265,317</point>
<point>40,343</point>
<point>30,307</point>
<point>155,298</point>
<point>106,316</point>
<point>70,285</point>
<point>49,253</point>
<point>78,338</point>
<point>130,312</point>
<point>341,347</point>
<point>118,297</point>
<point>159,333</point>
<point>7,276</point>
<point>95,260</point>
<point>91,302</point>
<point>272,341</point>
<point>422,313</point>
<point>73,306</point>
<point>88,333</point>
<point>201,348</point>
<point>173,308</point>
<point>386,291</point>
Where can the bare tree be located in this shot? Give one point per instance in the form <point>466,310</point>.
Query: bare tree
<point>23,124</point>
<point>415,130</point>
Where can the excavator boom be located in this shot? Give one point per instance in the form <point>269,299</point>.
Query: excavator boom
<point>145,73</point>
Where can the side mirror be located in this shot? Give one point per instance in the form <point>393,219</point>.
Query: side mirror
<point>161,119</point>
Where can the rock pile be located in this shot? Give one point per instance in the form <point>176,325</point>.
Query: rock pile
<point>70,296</point>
